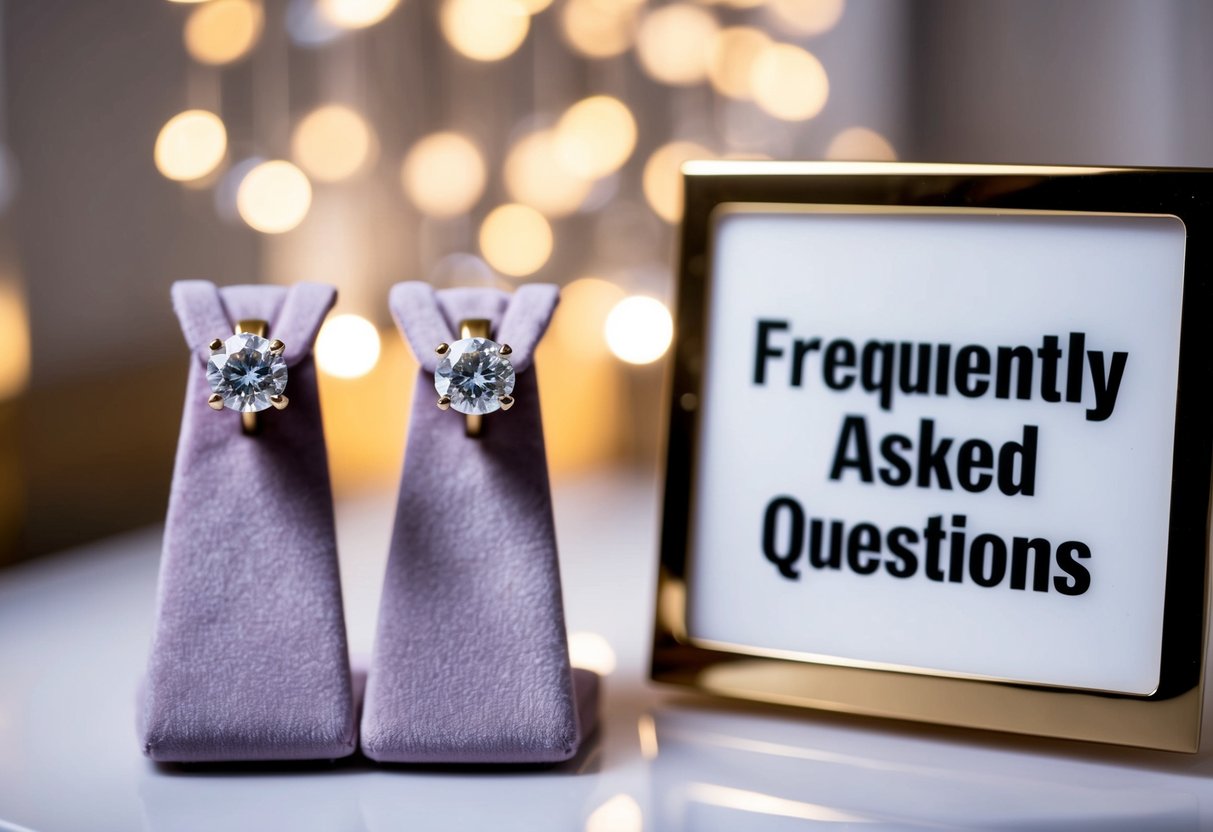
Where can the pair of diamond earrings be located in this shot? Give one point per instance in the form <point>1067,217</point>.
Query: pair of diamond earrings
<point>247,373</point>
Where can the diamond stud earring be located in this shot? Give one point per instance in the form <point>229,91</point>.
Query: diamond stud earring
<point>474,376</point>
<point>247,373</point>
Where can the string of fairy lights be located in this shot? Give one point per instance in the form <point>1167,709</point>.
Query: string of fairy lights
<point>749,51</point>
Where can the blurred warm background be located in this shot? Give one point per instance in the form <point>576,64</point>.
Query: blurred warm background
<point>469,142</point>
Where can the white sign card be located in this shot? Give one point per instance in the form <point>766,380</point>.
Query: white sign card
<point>939,442</point>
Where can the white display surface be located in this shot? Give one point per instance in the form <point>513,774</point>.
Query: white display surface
<point>1099,476</point>
<point>74,631</point>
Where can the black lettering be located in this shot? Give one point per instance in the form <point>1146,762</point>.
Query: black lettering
<point>956,564</point>
<point>1106,387</point>
<point>1026,453</point>
<point>1079,580</point>
<point>921,382</point>
<point>1023,381</point>
<point>1049,356</point>
<point>799,350</point>
<point>932,457</point>
<point>942,369</point>
<point>1042,551</point>
<point>972,361</point>
<point>898,471</point>
<point>934,535</point>
<point>785,560</point>
<point>856,428</point>
<point>839,354</point>
<point>1075,365</point>
<point>864,538</point>
<point>878,375</point>
<point>898,541</point>
<point>834,560</point>
<point>765,350</point>
<point>998,560</point>
<point>974,457</point>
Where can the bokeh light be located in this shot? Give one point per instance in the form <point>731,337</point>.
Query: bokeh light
<point>444,174</point>
<point>639,329</point>
<point>190,145</point>
<point>228,185</point>
<point>306,26</point>
<point>731,60</point>
<point>807,17</point>
<point>602,194</point>
<point>662,180</point>
<point>674,41</point>
<point>580,320</point>
<point>789,83</point>
<point>274,197</point>
<point>860,144</point>
<point>574,367</point>
<point>347,347</point>
<point>596,136</point>
<point>599,28</point>
<point>223,31</point>
<point>355,14</point>
<point>535,175</point>
<point>619,814</point>
<point>592,652</point>
<point>332,142</point>
<point>484,30</point>
<point>515,239</point>
<point>14,339</point>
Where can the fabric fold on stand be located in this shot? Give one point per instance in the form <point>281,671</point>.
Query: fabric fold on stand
<point>249,658</point>
<point>471,660</point>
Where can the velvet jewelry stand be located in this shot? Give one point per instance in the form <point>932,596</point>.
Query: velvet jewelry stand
<point>471,661</point>
<point>249,658</point>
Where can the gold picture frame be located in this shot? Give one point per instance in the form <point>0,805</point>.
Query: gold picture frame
<point>1169,718</point>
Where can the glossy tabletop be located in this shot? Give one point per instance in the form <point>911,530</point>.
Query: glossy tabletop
<point>73,638</point>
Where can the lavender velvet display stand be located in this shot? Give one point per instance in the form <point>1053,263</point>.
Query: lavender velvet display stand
<point>249,658</point>
<point>471,661</point>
